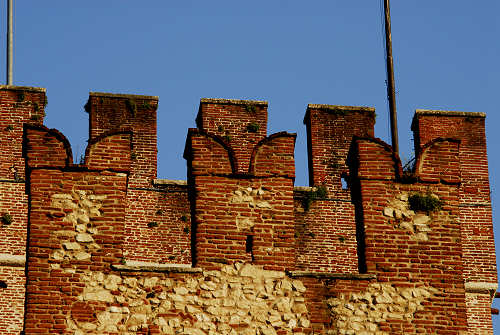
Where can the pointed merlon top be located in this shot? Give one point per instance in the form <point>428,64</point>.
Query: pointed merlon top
<point>23,88</point>
<point>232,102</point>
<point>126,96</point>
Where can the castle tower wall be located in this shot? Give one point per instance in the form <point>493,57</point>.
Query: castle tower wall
<point>137,113</point>
<point>76,225</point>
<point>238,218</point>
<point>157,213</point>
<point>326,227</point>
<point>475,215</point>
<point>240,123</point>
<point>18,105</point>
<point>412,236</point>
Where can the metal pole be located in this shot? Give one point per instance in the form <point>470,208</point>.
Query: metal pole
<point>10,43</point>
<point>391,95</point>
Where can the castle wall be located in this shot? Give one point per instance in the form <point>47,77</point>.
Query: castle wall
<point>237,248</point>
<point>409,244</point>
<point>326,227</point>
<point>76,224</point>
<point>157,222</point>
<point>475,216</point>
<point>243,210</point>
<point>18,105</point>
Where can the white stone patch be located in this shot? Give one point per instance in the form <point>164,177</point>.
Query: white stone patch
<point>250,196</point>
<point>361,313</point>
<point>416,223</point>
<point>77,243</point>
<point>259,301</point>
<point>243,223</point>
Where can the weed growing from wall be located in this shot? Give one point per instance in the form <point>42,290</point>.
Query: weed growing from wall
<point>309,197</point>
<point>424,202</point>
<point>6,219</point>
<point>253,127</point>
<point>250,108</point>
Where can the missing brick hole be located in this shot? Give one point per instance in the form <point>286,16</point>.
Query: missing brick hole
<point>249,246</point>
<point>3,284</point>
<point>344,181</point>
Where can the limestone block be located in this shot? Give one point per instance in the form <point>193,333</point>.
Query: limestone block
<point>81,255</point>
<point>389,212</point>
<point>181,290</point>
<point>84,238</point>
<point>71,246</point>
<point>421,219</point>
<point>297,285</point>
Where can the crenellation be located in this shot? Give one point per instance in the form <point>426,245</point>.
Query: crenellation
<point>236,248</point>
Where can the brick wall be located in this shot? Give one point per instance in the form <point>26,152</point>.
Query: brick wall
<point>157,222</point>
<point>241,124</point>
<point>327,228</point>
<point>475,216</point>
<point>76,223</point>
<point>18,105</point>
<point>161,232</point>
<point>241,219</point>
<point>411,248</point>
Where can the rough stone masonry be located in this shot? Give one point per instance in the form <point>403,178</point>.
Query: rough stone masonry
<point>105,247</point>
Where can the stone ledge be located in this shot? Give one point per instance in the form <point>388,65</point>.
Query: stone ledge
<point>126,96</point>
<point>23,88</point>
<point>481,287</point>
<point>12,260</point>
<point>304,189</point>
<point>138,266</point>
<point>448,113</point>
<point>331,275</point>
<point>19,181</point>
<point>169,182</point>
<point>233,102</point>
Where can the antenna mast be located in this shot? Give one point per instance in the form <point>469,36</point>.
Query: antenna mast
<point>391,95</point>
<point>10,42</point>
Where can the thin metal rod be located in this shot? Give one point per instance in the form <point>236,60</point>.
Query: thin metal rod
<point>391,95</point>
<point>10,43</point>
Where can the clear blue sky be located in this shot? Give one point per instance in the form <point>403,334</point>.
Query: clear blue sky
<point>290,53</point>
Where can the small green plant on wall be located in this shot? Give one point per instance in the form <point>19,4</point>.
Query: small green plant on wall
<point>320,192</point>
<point>424,202</point>
<point>250,108</point>
<point>6,218</point>
<point>131,106</point>
<point>253,127</point>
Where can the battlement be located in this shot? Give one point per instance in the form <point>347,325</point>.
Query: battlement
<point>126,112</point>
<point>112,249</point>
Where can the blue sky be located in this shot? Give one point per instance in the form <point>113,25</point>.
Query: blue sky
<point>289,53</point>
